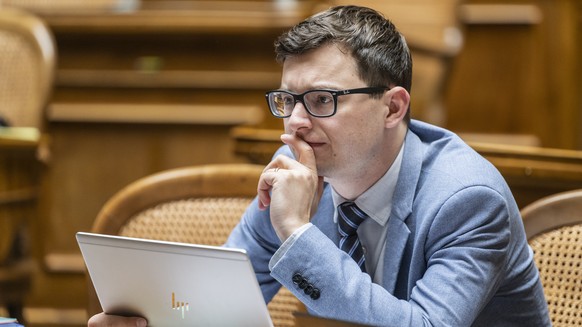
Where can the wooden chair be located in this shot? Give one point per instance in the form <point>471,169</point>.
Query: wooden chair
<point>27,63</point>
<point>554,230</point>
<point>198,204</point>
<point>27,60</point>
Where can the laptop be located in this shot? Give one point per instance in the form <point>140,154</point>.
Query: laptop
<point>174,284</point>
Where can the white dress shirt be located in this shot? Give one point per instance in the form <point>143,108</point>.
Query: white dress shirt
<point>376,202</point>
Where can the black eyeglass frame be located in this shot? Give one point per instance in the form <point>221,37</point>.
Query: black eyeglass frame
<point>334,93</point>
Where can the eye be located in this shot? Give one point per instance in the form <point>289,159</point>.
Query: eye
<point>282,99</point>
<point>324,98</point>
<point>288,100</point>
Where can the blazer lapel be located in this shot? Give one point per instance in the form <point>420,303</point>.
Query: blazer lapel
<point>396,238</point>
<point>398,231</point>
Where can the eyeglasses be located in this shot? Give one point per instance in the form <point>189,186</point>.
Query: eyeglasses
<point>319,103</point>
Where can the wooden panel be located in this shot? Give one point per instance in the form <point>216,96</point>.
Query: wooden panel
<point>92,161</point>
<point>155,114</point>
<point>19,184</point>
<point>160,55</point>
<point>501,14</point>
<point>519,71</point>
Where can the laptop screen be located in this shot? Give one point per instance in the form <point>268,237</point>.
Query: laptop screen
<point>174,284</point>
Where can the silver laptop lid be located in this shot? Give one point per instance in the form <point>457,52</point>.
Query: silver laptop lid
<point>174,284</point>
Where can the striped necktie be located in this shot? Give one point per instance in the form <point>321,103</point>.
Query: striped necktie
<point>350,217</point>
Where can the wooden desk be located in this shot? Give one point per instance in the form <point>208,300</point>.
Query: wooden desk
<point>534,172</point>
<point>19,181</point>
<point>531,172</point>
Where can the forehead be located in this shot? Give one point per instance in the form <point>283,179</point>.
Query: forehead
<point>327,66</point>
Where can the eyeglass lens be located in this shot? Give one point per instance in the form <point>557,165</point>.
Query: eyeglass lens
<point>317,102</point>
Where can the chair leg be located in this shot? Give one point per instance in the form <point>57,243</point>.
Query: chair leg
<point>15,310</point>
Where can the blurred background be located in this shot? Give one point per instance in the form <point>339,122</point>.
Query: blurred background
<point>115,90</point>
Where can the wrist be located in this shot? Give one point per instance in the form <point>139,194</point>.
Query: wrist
<point>288,229</point>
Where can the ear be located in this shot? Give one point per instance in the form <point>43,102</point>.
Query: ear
<point>398,100</point>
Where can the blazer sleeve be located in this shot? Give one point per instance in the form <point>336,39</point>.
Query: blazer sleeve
<point>462,244</point>
<point>255,234</point>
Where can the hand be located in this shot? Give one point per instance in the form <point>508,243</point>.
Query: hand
<point>292,189</point>
<point>105,320</point>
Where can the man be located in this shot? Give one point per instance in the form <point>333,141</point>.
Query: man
<point>440,240</point>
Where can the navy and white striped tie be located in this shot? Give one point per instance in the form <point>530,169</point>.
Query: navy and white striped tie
<point>350,217</point>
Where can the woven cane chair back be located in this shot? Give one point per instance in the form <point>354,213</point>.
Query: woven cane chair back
<point>202,221</point>
<point>199,204</point>
<point>27,63</point>
<point>554,230</point>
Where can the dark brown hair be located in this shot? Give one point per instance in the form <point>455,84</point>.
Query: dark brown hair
<point>380,51</point>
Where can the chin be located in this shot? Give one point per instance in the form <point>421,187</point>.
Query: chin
<point>323,170</point>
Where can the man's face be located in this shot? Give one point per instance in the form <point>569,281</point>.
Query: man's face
<point>348,142</point>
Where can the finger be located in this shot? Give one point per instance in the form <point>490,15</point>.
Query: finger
<point>302,150</point>
<point>263,194</point>
<point>103,319</point>
<point>268,178</point>
<point>265,184</point>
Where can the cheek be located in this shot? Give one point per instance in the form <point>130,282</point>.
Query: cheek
<point>351,138</point>
<point>363,134</point>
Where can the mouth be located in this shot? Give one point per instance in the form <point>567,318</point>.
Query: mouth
<point>315,144</point>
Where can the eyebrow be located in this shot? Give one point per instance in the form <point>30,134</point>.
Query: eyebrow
<point>319,87</point>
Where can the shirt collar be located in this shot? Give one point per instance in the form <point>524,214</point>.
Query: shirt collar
<point>376,201</point>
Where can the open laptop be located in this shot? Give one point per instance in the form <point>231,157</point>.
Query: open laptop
<point>174,284</point>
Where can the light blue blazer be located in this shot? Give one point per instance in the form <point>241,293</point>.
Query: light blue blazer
<point>456,252</point>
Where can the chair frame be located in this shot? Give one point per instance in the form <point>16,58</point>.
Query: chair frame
<point>564,207</point>
<point>180,183</point>
<point>544,216</point>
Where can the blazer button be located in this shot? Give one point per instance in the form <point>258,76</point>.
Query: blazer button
<point>315,294</point>
<point>309,289</point>
<point>303,284</point>
<point>297,278</point>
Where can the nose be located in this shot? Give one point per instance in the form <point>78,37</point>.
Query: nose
<point>299,118</point>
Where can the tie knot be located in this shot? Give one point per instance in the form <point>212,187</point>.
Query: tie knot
<point>350,218</point>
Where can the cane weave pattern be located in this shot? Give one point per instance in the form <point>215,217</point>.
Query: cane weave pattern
<point>558,255</point>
